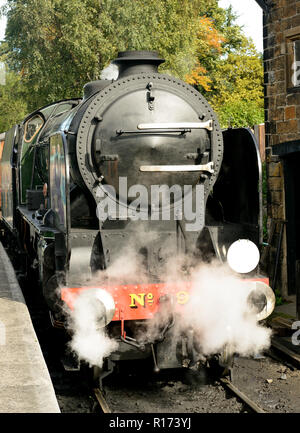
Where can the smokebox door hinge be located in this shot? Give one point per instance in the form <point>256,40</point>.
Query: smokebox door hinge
<point>150,96</point>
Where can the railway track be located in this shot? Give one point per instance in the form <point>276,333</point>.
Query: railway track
<point>287,355</point>
<point>251,404</point>
<point>99,395</point>
<point>278,352</point>
<point>105,407</point>
<point>249,397</point>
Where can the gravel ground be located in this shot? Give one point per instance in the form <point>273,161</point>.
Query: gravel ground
<point>73,395</point>
<point>270,384</point>
<point>190,393</point>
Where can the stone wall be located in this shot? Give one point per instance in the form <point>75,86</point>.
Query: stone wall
<point>282,110</point>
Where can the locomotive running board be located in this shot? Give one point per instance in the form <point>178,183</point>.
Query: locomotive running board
<point>183,168</point>
<point>181,125</point>
<point>141,301</point>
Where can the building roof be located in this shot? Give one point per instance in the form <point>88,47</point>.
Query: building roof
<point>265,4</point>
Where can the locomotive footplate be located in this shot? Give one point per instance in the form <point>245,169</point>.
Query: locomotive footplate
<point>143,301</point>
<point>157,308</point>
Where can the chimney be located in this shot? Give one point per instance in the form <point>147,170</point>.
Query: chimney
<point>135,62</point>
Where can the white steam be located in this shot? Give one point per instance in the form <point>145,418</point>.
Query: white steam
<point>90,341</point>
<point>220,314</point>
<point>111,72</point>
<point>217,311</point>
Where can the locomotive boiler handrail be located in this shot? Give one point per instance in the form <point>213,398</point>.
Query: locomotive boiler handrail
<point>181,125</point>
<point>153,131</point>
<point>175,168</point>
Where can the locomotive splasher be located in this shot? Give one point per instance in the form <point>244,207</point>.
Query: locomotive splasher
<point>142,133</point>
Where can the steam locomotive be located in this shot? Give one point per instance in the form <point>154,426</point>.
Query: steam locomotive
<point>68,176</point>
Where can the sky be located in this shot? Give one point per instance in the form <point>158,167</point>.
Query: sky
<point>250,16</point>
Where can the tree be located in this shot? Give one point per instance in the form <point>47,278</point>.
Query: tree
<point>221,36</point>
<point>233,72</point>
<point>53,44</point>
<point>209,45</point>
<point>237,89</point>
<point>57,51</point>
<point>56,46</point>
<point>172,27</point>
<point>13,107</point>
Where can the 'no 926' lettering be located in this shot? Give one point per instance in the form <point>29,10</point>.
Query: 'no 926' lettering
<point>144,299</point>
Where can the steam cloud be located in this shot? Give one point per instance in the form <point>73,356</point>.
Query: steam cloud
<point>89,341</point>
<point>220,314</point>
<point>218,311</point>
<point>111,72</point>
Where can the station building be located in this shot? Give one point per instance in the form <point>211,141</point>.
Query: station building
<point>281,32</point>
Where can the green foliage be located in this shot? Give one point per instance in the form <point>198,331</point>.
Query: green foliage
<point>231,34</point>
<point>168,26</point>
<point>237,91</point>
<point>265,227</point>
<point>239,113</point>
<point>59,45</point>
<point>53,45</point>
<point>13,108</point>
<point>278,296</point>
<point>56,46</point>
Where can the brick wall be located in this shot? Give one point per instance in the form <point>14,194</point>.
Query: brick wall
<point>282,110</point>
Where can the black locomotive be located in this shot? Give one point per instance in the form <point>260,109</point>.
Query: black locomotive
<point>67,160</point>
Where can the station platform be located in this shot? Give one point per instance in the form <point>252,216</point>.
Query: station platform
<point>25,383</point>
